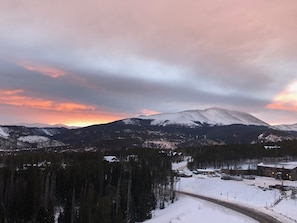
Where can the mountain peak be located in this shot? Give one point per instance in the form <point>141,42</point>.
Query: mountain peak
<point>210,116</point>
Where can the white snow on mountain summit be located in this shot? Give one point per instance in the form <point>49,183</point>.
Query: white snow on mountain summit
<point>211,116</point>
<point>286,127</point>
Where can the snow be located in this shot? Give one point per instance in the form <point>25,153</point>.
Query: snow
<point>111,159</point>
<point>188,209</point>
<point>273,138</point>
<point>163,144</point>
<point>228,190</point>
<point>287,208</point>
<point>211,116</point>
<point>292,127</point>
<point>33,139</point>
<point>131,121</point>
<point>47,132</point>
<point>251,193</point>
<point>3,133</point>
<point>285,165</point>
<point>179,165</point>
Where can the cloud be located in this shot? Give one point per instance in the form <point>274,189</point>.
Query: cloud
<point>10,115</point>
<point>18,98</point>
<point>45,70</point>
<point>286,100</point>
<point>17,107</point>
<point>148,112</point>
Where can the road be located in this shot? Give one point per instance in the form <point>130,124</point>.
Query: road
<point>252,213</point>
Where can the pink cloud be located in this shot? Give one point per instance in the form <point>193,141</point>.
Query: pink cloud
<point>18,98</point>
<point>286,100</point>
<point>22,108</point>
<point>45,70</point>
<point>146,111</point>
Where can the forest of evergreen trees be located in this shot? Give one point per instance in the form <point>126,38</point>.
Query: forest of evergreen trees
<point>82,187</point>
<point>224,155</point>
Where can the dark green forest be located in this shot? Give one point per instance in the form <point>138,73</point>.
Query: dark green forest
<point>224,155</point>
<point>82,187</point>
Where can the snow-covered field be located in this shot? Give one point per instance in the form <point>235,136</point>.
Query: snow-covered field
<point>188,210</point>
<point>252,193</point>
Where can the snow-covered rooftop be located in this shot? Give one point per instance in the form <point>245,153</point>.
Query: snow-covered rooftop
<point>111,159</point>
<point>285,165</point>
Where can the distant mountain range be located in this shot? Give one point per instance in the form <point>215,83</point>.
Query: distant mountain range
<point>213,126</point>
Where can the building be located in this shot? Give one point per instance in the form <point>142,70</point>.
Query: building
<point>272,147</point>
<point>283,170</point>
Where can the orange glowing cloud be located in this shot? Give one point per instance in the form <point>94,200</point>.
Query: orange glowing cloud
<point>16,98</point>
<point>45,70</point>
<point>286,100</point>
<point>32,109</point>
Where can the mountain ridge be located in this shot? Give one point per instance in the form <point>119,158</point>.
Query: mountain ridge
<point>195,118</point>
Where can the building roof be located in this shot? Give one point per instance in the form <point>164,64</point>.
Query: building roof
<point>280,165</point>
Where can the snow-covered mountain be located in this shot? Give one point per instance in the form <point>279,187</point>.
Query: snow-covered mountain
<point>288,128</point>
<point>20,137</point>
<point>196,118</point>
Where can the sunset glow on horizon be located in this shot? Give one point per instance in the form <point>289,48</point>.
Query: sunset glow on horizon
<point>286,100</point>
<point>94,62</point>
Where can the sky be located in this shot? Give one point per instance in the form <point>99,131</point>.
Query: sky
<point>94,61</point>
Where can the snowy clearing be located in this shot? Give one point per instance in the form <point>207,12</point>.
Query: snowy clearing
<point>188,209</point>
<point>33,139</point>
<point>251,193</point>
